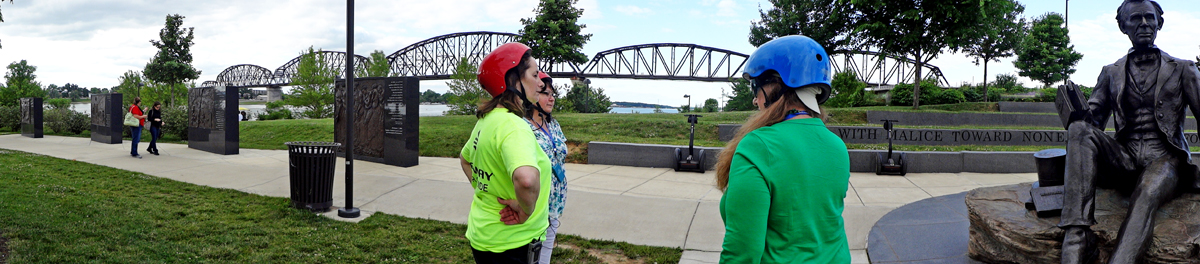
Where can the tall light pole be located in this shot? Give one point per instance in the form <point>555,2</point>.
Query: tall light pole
<point>689,105</point>
<point>349,211</point>
<point>1067,26</point>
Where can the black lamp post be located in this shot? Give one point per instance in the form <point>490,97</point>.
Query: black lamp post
<point>349,211</point>
<point>689,105</point>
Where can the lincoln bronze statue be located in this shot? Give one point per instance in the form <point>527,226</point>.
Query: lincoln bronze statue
<point>1145,93</point>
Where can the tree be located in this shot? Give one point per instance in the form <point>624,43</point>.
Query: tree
<point>245,93</point>
<point>313,83</point>
<point>377,66</point>
<point>1046,54</point>
<point>710,105</point>
<point>20,83</point>
<point>429,96</point>
<point>588,100</point>
<point>919,29</point>
<point>847,90</point>
<point>553,35</point>
<point>172,65</point>
<point>685,108</point>
<point>131,84</point>
<point>71,90</point>
<point>742,98</point>
<point>465,93</point>
<point>829,22</point>
<point>561,104</point>
<point>53,91</point>
<point>999,34</point>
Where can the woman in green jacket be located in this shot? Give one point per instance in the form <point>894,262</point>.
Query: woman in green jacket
<point>785,175</point>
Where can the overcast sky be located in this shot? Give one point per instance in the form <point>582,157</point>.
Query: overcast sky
<point>91,43</point>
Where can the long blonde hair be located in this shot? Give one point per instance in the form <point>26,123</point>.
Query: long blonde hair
<point>767,117</point>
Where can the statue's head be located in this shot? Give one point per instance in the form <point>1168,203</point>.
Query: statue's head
<point>1140,20</point>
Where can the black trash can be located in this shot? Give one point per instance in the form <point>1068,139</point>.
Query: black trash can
<point>311,166</point>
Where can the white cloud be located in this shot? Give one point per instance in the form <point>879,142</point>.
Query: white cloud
<point>591,9</point>
<point>632,10</point>
<point>727,8</point>
<point>91,43</point>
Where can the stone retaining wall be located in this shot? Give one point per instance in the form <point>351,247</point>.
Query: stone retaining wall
<point>663,156</point>
<point>980,119</point>
<point>1027,107</point>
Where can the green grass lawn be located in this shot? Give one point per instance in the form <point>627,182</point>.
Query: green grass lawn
<point>61,211</point>
<point>443,136</point>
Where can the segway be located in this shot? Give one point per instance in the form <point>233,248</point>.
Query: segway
<point>693,161</point>
<point>892,164</point>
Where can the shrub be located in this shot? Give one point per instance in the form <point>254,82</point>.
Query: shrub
<point>873,99</point>
<point>1047,95</point>
<point>64,121</point>
<point>10,117</point>
<point>278,113</point>
<point>946,96</point>
<point>993,94</point>
<point>276,110</point>
<point>175,121</point>
<point>902,93</point>
<point>58,103</point>
<point>847,90</point>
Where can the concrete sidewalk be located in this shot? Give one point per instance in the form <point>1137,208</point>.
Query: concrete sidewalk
<point>648,206</point>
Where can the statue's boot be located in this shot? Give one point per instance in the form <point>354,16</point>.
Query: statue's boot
<point>1079,245</point>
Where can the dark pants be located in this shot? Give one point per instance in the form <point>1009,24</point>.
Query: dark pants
<point>136,132</point>
<point>155,133</point>
<point>1147,165</point>
<point>527,254</point>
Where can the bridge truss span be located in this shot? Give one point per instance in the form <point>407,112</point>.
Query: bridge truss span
<point>667,61</point>
<point>877,68</point>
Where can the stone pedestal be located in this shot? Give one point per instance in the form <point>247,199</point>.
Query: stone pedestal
<point>31,117</point>
<point>107,118</point>
<point>212,119</point>
<point>1003,231</point>
<point>386,119</point>
<point>274,94</point>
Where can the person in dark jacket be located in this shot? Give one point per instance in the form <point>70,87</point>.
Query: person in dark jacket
<point>155,117</point>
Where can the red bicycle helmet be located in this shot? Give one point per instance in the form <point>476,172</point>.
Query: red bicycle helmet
<point>545,78</point>
<point>497,63</point>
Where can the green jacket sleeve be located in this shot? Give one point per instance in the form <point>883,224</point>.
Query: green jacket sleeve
<point>747,202</point>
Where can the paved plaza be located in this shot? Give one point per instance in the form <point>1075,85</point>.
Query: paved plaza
<point>648,206</point>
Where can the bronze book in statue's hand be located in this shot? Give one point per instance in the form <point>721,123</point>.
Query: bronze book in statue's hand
<point>1071,104</point>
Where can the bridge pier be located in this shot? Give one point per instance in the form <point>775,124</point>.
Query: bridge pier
<point>274,93</point>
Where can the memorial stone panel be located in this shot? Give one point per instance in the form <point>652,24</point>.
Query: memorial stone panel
<point>212,119</point>
<point>31,117</point>
<point>386,119</point>
<point>107,118</point>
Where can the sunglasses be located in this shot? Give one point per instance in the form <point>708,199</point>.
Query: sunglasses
<point>757,83</point>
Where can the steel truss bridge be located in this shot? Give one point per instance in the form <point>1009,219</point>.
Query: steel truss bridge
<point>436,58</point>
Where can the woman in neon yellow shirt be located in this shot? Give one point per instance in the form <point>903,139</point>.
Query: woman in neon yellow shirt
<point>785,175</point>
<point>505,164</point>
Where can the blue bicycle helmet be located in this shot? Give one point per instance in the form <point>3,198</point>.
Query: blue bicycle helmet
<point>800,62</point>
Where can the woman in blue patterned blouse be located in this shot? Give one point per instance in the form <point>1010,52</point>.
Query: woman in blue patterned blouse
<point>550,136</point>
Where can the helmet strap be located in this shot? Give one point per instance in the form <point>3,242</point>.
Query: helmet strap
<point>770,98</point>
<point>528,105</point>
